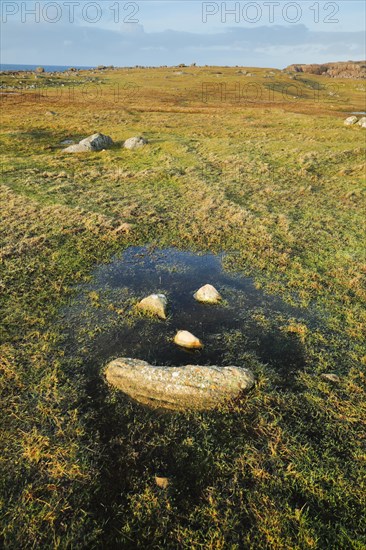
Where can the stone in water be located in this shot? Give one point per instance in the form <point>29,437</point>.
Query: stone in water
<point>187,340</point>
<point>178,388</point>
<point>155,304</point>
<point>208,295</point>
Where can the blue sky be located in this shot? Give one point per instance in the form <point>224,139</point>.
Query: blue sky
<point>123,33</point>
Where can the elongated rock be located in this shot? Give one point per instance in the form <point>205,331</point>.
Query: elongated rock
<point>187,340</point>
<point>207,294</point>
<point>155,304</point>
<point>178,388</point>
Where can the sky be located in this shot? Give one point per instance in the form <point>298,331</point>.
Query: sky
<point>261,33</point>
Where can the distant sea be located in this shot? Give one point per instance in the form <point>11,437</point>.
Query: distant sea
<point>47,68</point>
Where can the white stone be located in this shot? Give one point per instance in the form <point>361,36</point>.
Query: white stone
<point>362,122</point>
<point>135,142</point>
<point>207,294</point>
<point>154,304</point>
<point>350,120</point>
<point>187,340</point>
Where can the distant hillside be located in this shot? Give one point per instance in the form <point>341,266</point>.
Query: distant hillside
<point>340,69</point>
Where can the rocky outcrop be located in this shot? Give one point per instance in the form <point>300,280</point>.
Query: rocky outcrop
<point>207,294</point>
<point>347,69</point>
<point>178,388</point>
<point>96,142</point>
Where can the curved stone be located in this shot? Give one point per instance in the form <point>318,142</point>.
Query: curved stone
<point>178,388</point>
<point>135,142</point>
<point>155,304</point>
<point>362,122</point>
<point>187,340</point>
<point>208,295</point>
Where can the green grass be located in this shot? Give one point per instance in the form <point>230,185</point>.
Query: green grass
<point>280,186</point>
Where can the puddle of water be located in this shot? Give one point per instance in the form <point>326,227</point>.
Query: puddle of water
<point>249,321</point>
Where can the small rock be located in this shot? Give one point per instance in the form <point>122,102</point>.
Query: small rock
<point>208,295</point>
<point>162,482</point>
<point>39,70</point>
<point>178,388</point>
<point>187,340</point>
<point>50,113</point>
<point>362,122</point>
<point>155,304</point>
<point>350,120</point>
<point>135,142</point>
<point>96,142</point>
<point>330,377</point>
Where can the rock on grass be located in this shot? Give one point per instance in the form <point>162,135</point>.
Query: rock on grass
<point>96,142</point>
<point>350,120</point>
<point>135,142</point>
<point>190,387</point>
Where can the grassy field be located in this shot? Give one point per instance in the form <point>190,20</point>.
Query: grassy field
<point>261,167</point>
